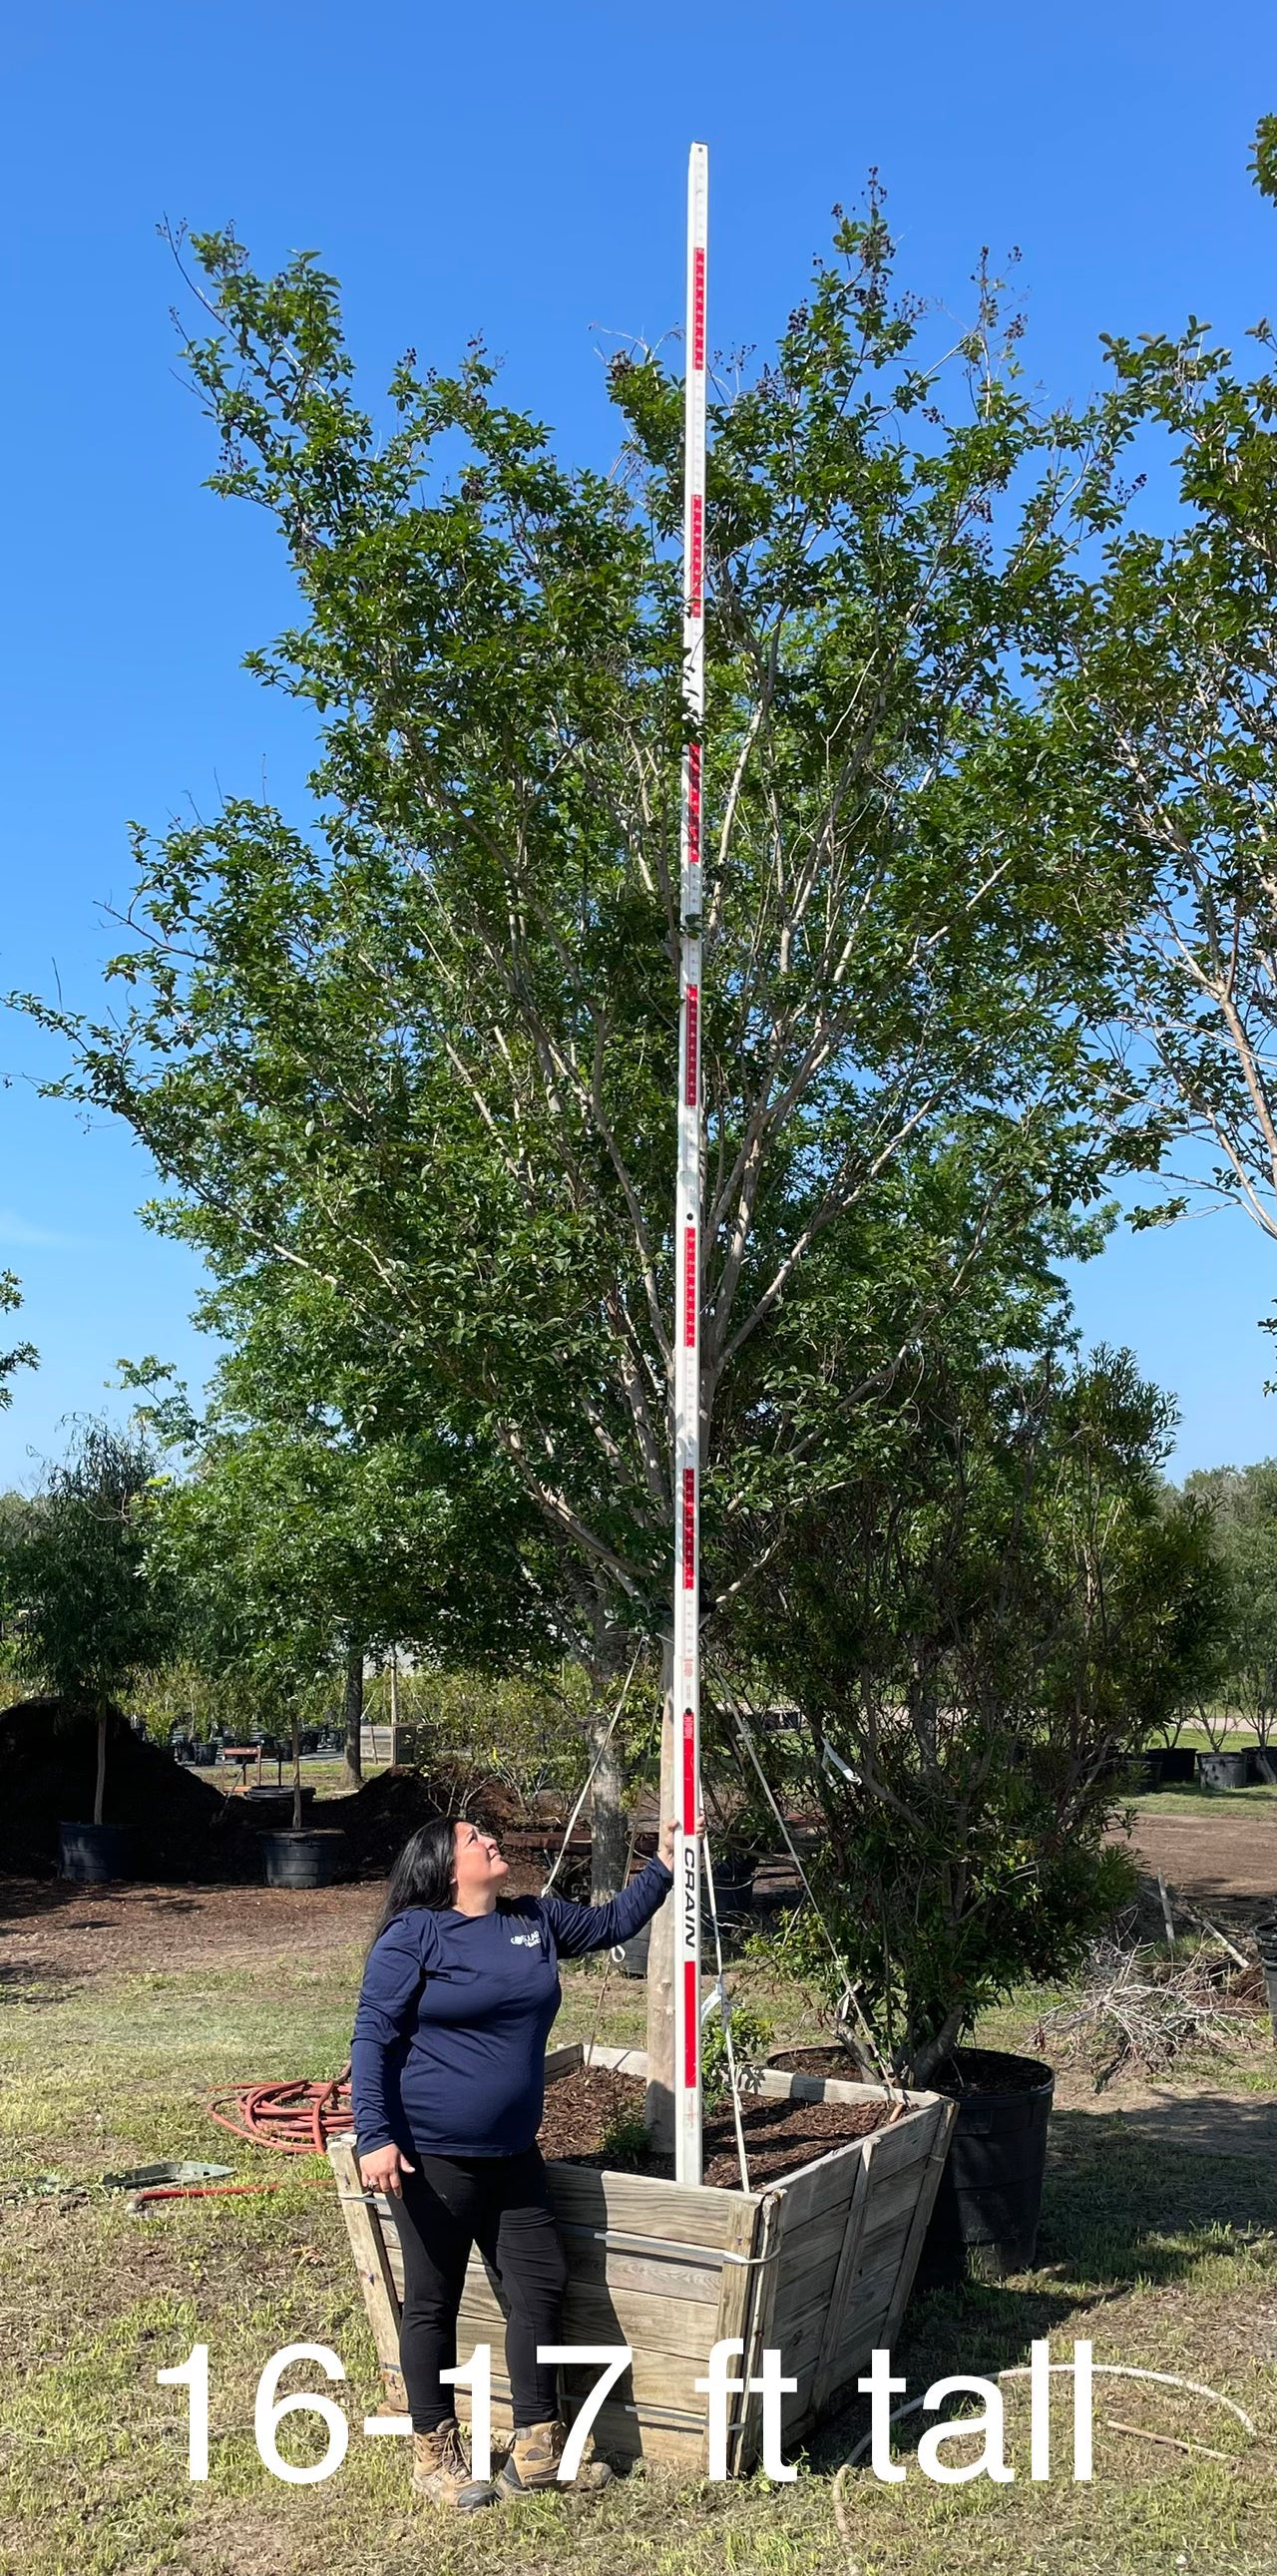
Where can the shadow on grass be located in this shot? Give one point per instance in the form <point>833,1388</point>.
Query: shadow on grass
<point>1122,2210</point>
<point>21,1899</point>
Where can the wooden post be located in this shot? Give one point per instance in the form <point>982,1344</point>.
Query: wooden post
<point>353,1713</point>
<point>658,2102</point>
<point>369,2249</point>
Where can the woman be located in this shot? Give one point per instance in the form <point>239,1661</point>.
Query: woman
<point>447,2079</point>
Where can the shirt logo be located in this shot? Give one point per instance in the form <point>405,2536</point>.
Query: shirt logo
<point>525,1940</point>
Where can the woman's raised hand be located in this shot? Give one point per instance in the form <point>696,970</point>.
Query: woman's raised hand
<point>666,1844</point>
<point>384,2168</point>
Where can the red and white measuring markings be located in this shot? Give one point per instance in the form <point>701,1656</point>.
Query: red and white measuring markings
<point>687,1377</point>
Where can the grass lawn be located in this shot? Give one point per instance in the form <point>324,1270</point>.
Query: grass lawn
<point>1161,2254</point>
<point>1257,1801</point>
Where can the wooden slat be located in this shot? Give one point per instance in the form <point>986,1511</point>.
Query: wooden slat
<point>863,2198</point>
<point>603,2315</point>
<point>818,2188</point>
<point>867,2313</point>
<point>562,2061</point>
<point>745,2444</point>
<point>675,2343</point>
<point>886,2245</point>
<point>776,2081</point>
<point>696,2214</point>
<point>733,2314</point>
<point>621,2061</point>
<point>946,2114</point>
<point>368,2246</point>
<point>662,2276</point>
<point>813,2250</point>
<point>799,2354</point>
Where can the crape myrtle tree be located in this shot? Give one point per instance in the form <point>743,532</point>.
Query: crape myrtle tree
<point>420,1054</point>
<point>975,1638</point>
<point>87,1614</point>
<point>1167,690</point>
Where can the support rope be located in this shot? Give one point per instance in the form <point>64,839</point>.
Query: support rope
<point>849,1998</point>
<point>613,1723</point>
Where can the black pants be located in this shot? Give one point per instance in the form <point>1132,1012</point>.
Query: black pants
<point>502,2204</point>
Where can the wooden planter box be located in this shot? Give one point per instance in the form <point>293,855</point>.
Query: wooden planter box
<point>818,2265</point>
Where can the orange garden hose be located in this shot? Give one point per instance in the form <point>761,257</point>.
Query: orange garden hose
<point>299,2118</point>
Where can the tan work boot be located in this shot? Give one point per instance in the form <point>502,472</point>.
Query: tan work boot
<point>441,2470</point>
<point>533,2461</point>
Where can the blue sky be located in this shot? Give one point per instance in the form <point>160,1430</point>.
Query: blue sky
<point>516,171</point>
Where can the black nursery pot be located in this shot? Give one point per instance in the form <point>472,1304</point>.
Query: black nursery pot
<point>92,1853</point>
<point>307,1859</point>
<point>985,2219</point>
<point>631,1956</point>
<point>1222,1770</point>
<point>1177,1764</point>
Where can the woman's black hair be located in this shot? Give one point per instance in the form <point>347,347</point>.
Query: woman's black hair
<point>425,1870</point>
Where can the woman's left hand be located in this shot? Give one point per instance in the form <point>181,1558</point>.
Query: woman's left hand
<point>666,1844</point>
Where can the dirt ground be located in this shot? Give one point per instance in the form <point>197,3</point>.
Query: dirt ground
<point>1211,1857</point>
<point>50,1929</point>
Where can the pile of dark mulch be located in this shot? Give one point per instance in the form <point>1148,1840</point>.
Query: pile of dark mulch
<point>187,1829</point>
<point>780,2135</point>
<point>378,1819</point>
<point>48,1767</point>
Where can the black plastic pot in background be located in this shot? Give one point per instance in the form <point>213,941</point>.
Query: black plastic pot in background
<point>1261,1766</point>
<point>308,1859</point>
<point>93,1853</point>
<point>985,2219</point>
<point>733,1886</point>
<point>1222,1770</point>
<point>1142,1772</point>
<point>631,1955</point>
<point>1177,1763</point>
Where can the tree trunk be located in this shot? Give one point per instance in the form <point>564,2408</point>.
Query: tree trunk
<point>354,1715</point>
<point>658,2101</point>
<point>927,2060</point>
<point>99,1791</point>
<point>296,1731</point>
<point>609,1828</point>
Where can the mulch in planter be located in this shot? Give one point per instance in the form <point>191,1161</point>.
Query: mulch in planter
<point>780,2134</point>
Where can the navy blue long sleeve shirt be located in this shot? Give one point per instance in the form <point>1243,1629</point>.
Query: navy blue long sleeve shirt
<point>448,2051</point>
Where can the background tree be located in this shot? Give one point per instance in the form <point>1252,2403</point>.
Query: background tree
<point>286,1549</point>
<point>418,1538</point>
<point>987,1623</point>
<point>1242,1502</point>
<point>1168,694</point>
<point>87,1613</point>
<point>23,1354</point>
